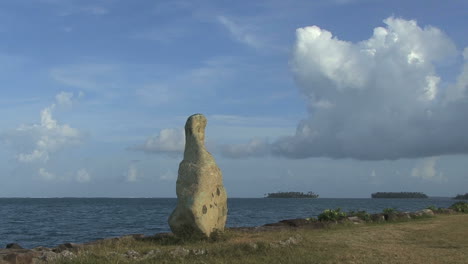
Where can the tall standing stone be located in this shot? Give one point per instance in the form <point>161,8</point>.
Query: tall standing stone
<point>201,197</point>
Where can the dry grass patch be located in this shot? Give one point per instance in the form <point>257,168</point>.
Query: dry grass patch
<point>442,239</point>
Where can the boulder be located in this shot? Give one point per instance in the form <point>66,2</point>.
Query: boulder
<point>426,212</point>
<point>68,246</point>
<point>23,256</point>
<point>391,217</point>
<point>201,198</point>
<point>14,246</point>
<point>49,256</point>
<point>378,217</point>
<point>415,214</point>
<point>403,215</point>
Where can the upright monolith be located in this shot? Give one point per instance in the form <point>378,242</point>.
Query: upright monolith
<point>201,197</point>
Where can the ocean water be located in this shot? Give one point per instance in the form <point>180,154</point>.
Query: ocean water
<point>49,222</point>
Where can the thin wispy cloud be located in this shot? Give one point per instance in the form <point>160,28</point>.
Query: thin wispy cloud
<point>89,77</point>
<point>82,176</point>
<point>164,34</point>
<point>167,141</point>
<point>241,33</point>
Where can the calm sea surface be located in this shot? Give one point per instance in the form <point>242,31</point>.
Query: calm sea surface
<point>49,222</point>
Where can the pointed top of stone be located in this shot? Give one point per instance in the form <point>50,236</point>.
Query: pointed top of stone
<point>195,128</point>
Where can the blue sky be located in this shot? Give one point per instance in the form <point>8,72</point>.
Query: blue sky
<point>342,98</point>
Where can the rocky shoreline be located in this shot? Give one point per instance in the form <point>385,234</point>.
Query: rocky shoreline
<point>14,253</point>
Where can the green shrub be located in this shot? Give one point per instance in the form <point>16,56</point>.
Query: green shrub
<point>432,207</point>
<point>389,211</point>
<point>363,215</point>
<point>461,207</point>
<point>332,215</point>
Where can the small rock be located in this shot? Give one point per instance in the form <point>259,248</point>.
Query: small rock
<point>274,245</point>
<point>13,246</point>
<point>41,249</point>
<point>290,241</point>
<point>180,252</point>
<point>355,219</point>
<point>198,252</point>
<point>253,245</point>
<point>132,254</point>
<point>48,256</point>
<point>68,246</point>
<point>153,252</point>
<point>67,254</point>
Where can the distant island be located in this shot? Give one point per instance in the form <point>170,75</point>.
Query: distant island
<point>461,196</point>
<point>291,195</point>
<point>399,195</point>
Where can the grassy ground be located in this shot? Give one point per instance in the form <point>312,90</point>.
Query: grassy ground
<point>441,239</point>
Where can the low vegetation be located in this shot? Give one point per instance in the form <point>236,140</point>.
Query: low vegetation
<point>389,211</point>
<point>291,195</point>
<point>399,195</point>
<point>332,215</point>
<point>363,215</point>
<point>461,207</point>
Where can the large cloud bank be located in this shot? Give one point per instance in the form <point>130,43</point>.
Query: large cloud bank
<point>380,98</point>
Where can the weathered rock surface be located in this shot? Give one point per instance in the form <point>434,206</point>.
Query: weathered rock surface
<point>426,212</point>
<point>14,246</point>
<point>32,256</point>
<point>17,256</point>
<point>202,200</point>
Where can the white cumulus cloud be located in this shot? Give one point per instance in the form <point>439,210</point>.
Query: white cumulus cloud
<point>36,142</point>
<point>379,98</point>
<point>426,169</point>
